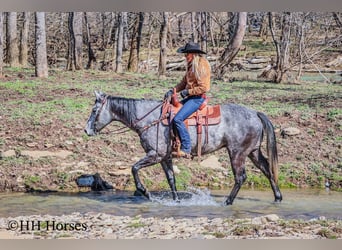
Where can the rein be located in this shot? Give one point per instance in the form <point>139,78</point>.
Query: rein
<point>140,131</point>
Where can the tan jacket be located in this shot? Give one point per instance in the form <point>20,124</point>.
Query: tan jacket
<point>196,86</point>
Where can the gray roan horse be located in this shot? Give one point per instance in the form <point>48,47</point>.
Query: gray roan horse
<point>240,132</point>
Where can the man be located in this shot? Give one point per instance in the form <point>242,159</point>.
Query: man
<point>192,88</point>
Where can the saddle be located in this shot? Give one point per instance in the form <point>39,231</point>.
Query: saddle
<point>205,116</point>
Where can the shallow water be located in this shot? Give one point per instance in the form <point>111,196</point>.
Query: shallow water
<point>297,204</point>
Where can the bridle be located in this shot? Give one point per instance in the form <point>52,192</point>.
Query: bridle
<point>104,101</point>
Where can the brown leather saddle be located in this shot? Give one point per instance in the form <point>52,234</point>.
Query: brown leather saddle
<point>206,115</point>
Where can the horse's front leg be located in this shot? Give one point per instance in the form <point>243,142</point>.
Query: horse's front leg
<point>170,176</point>
<point>150,159</point>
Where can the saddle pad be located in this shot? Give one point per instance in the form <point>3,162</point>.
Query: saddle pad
<point>210,115</point>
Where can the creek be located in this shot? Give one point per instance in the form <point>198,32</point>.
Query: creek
<point>297,204</point>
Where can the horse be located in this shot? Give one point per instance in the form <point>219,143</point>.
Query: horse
<point>240,131</point>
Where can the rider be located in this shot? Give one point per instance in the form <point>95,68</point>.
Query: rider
<point>192,88</point>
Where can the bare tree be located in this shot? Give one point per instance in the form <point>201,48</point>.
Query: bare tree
<point>282,45</point>
<point>133,60</point>
<point>23,52</point>
<point>194,31</point>
<point>233,47</point>
<point>77,24</point>
<point>41,67</point>
<point>12,40</point>
<point>163,44</point>
<point>91,54</point>
<point>1,43</point>
<point>203,31</point>
<point>338,19</point>
<point>75,41</point>
<point>120,42</point>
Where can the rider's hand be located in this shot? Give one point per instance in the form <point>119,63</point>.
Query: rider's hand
<point>168,94</point>
<point>184,93</point>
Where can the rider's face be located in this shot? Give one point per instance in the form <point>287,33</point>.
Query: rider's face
<point>189,57</point>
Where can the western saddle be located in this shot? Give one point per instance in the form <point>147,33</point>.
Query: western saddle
<point>205,116</point>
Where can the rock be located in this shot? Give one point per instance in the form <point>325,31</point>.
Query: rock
<point>290,131</point>
<point>8,153</point>
<point>95,182</point>
<point>176,169</point>
<point>32,144</point>
<point>272,217</point>
<point>37,154</point>
<point>212,163</point>
<point>258,221</point>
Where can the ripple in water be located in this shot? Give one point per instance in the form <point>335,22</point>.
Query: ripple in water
<point>191,197</point>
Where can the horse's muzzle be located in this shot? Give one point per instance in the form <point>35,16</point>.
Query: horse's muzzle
<point>89,132</point>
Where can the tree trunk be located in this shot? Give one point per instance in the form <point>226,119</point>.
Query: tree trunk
<point>263,28</point>
<point>337,19</point>
<point>163,44</point>
<point>23,56</point>
<point>203,27</point>
<point>71,47</point>
<point>41,58</point>
<point>77,26</point>
<point>75,41</point>
<point>233,47</point>
<point>12,40</point>
<point>91,55</point>
<point>120,42</point>
<point>133,61</point>
<point>125,32</point>
<point>282,48</point>
<point>1,43</point>
<point>194,33</point>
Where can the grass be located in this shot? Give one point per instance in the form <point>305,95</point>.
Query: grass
<point>68,97</point>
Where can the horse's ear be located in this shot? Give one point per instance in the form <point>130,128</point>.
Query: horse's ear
<point>98,95</point>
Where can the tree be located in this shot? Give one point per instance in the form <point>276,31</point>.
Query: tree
<point>282,45</point>
<point>12,40</point>
<point>133,60</point>
<point>91,54</point>
<point>41,57</point>
<point>120,42</point>
<point>23,52</point>
<point>163,44</point>
<point>77,24</point>
<point>233,46</point>
<point>1,43</point>
<point>75,42</point>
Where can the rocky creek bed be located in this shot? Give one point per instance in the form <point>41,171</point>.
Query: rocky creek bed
<point>105,226</point>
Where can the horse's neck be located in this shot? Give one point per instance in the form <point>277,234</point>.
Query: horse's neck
<point>130,111</point>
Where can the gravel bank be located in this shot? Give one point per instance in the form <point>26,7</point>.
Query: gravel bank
<point>105,226</point>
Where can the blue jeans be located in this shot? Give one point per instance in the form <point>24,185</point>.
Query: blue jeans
<point>190,105</point>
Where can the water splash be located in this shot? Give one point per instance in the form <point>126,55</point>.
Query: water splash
<point>191,197</point>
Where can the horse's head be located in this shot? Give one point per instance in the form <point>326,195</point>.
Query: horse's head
<point>99,116</point>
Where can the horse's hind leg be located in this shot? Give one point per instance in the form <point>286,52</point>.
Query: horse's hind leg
<point>170,176</point>
<point>150,159</point>
<point>262,163</point>
<point>238,167</point>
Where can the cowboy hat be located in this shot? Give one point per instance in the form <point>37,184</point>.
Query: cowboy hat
<point>190,47</point>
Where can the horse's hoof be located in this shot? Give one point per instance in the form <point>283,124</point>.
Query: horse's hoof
<point>228,202</point>
<point>139,193</point>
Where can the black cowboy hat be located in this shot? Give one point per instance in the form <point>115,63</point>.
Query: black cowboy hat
<point>190,47</point>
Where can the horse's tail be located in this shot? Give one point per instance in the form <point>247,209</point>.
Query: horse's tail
<point>271,145</point>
